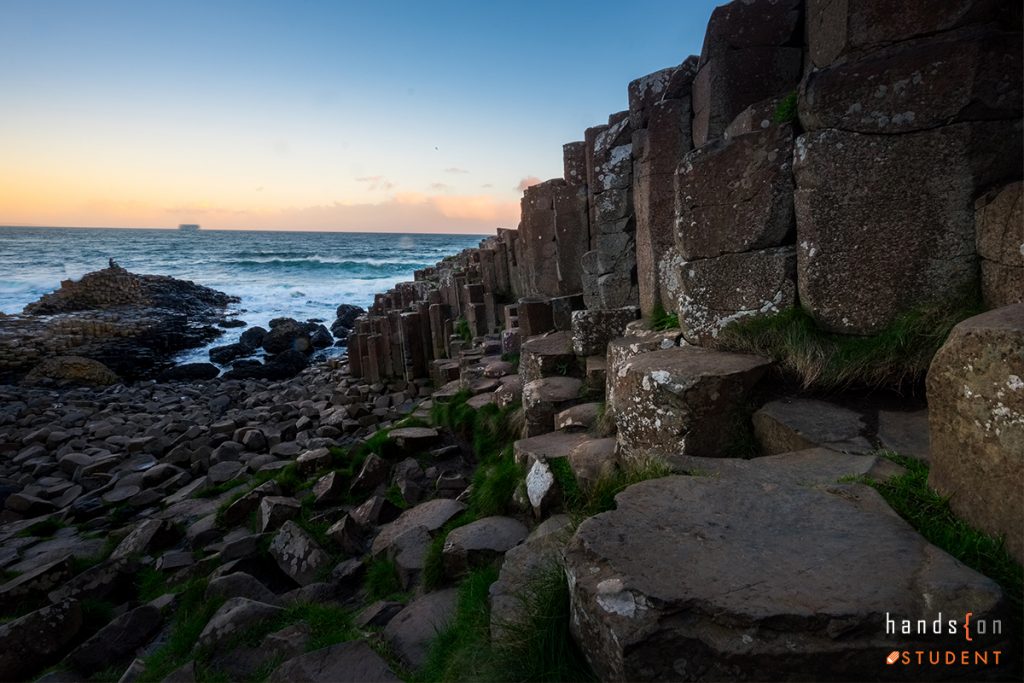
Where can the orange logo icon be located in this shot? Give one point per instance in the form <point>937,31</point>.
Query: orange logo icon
<point>893,656</point>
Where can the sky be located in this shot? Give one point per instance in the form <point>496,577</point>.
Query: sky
<point>310,115</point>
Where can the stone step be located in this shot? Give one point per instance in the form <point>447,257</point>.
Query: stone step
<point>793,424</point>
<point>547,355</point>
<point>681,401</point>
<point>735,579</point>
<point>544,398</point>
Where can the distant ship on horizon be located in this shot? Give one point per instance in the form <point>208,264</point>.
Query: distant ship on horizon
<point>189,227</point>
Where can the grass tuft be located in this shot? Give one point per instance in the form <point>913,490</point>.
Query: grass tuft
<point>898,355</point>
<point>786,109</point>
<point>537,649</point>
<point>382,579</point>
<point>662,320</point>
<point>43,529</point>
<point>582,503</point>
<point>189,621</point>
<point>462,329</point>
<point>928,512</point>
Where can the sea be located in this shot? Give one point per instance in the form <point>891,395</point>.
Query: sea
<point>302,275</point>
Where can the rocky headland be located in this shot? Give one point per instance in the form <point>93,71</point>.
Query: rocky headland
<point>113,325</point>
<point>740,399</point>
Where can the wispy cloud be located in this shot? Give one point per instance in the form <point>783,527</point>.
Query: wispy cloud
<point>528,181</point>
<point>440,187</point>
<point>376,182</point>
<point>455,169</point>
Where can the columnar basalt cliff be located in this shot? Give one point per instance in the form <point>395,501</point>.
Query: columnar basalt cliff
<point>824,197</point>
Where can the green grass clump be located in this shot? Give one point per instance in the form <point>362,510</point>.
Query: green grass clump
<point>539,648</point>
<point>462,329</point>
<point>461,651</point>
<point>382,579</point>
<point>581,502</point>
<point>218,489</point>
<point>43,529</point>
<point>512,358</point>
<point>899,354</point>
<point>662,320</point>
<point>786,109</point>
<point>928,512</point>
<point>189,621</point>
<point>494,484</point>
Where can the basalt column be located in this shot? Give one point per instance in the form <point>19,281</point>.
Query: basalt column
<point>908,124</point>
<point>660,114</point>
<point>609,269</point>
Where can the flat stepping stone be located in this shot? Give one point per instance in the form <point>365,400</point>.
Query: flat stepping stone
<point>352,662</point>
<point>809,467</point>
<point>681,401</point>
<point>120,494</point>
<point>581,417</point>
<point>739,580</point>
<point>790,425</point>
<point>905,433</point>
<point>413,437</point>
<point>224,471</point>
<point>546,446</point>
<point>412,630</point>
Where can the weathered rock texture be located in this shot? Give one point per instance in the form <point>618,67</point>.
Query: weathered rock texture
<point>976,401</point>
<point>999,225</point>
<point>754,601</point>
<point>681,401</point>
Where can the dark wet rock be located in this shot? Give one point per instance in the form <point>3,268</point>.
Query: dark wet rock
<point>71,370</point>
<point>31,642</point>
<point>116,641</point>
<point>191,371</point>
<point>288,334</point>
<point>352,662</point>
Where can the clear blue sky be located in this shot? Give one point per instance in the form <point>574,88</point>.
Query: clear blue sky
<point>309,114</point>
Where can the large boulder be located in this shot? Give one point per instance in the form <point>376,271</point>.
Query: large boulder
<point>480,543</point>
<point>999,227</point>
<point>233,618</point>
<point>547,355</point>
<point>709,578</point>
<point>32,642</point>
<point>682,401</point>
<point>873,241</point>
<point>117,641</point>
<point>71,370</point>
<point>786,425</point>
<point>287,334</point>
<point>298,555</point>
<point>412,630</point>
<point>976,412</point>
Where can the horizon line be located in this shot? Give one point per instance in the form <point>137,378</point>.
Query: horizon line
<point>288,230</point>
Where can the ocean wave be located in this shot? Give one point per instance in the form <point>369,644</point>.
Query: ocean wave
<point>317,261</point>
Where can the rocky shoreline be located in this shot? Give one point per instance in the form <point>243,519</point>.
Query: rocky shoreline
<point>113,325</point>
